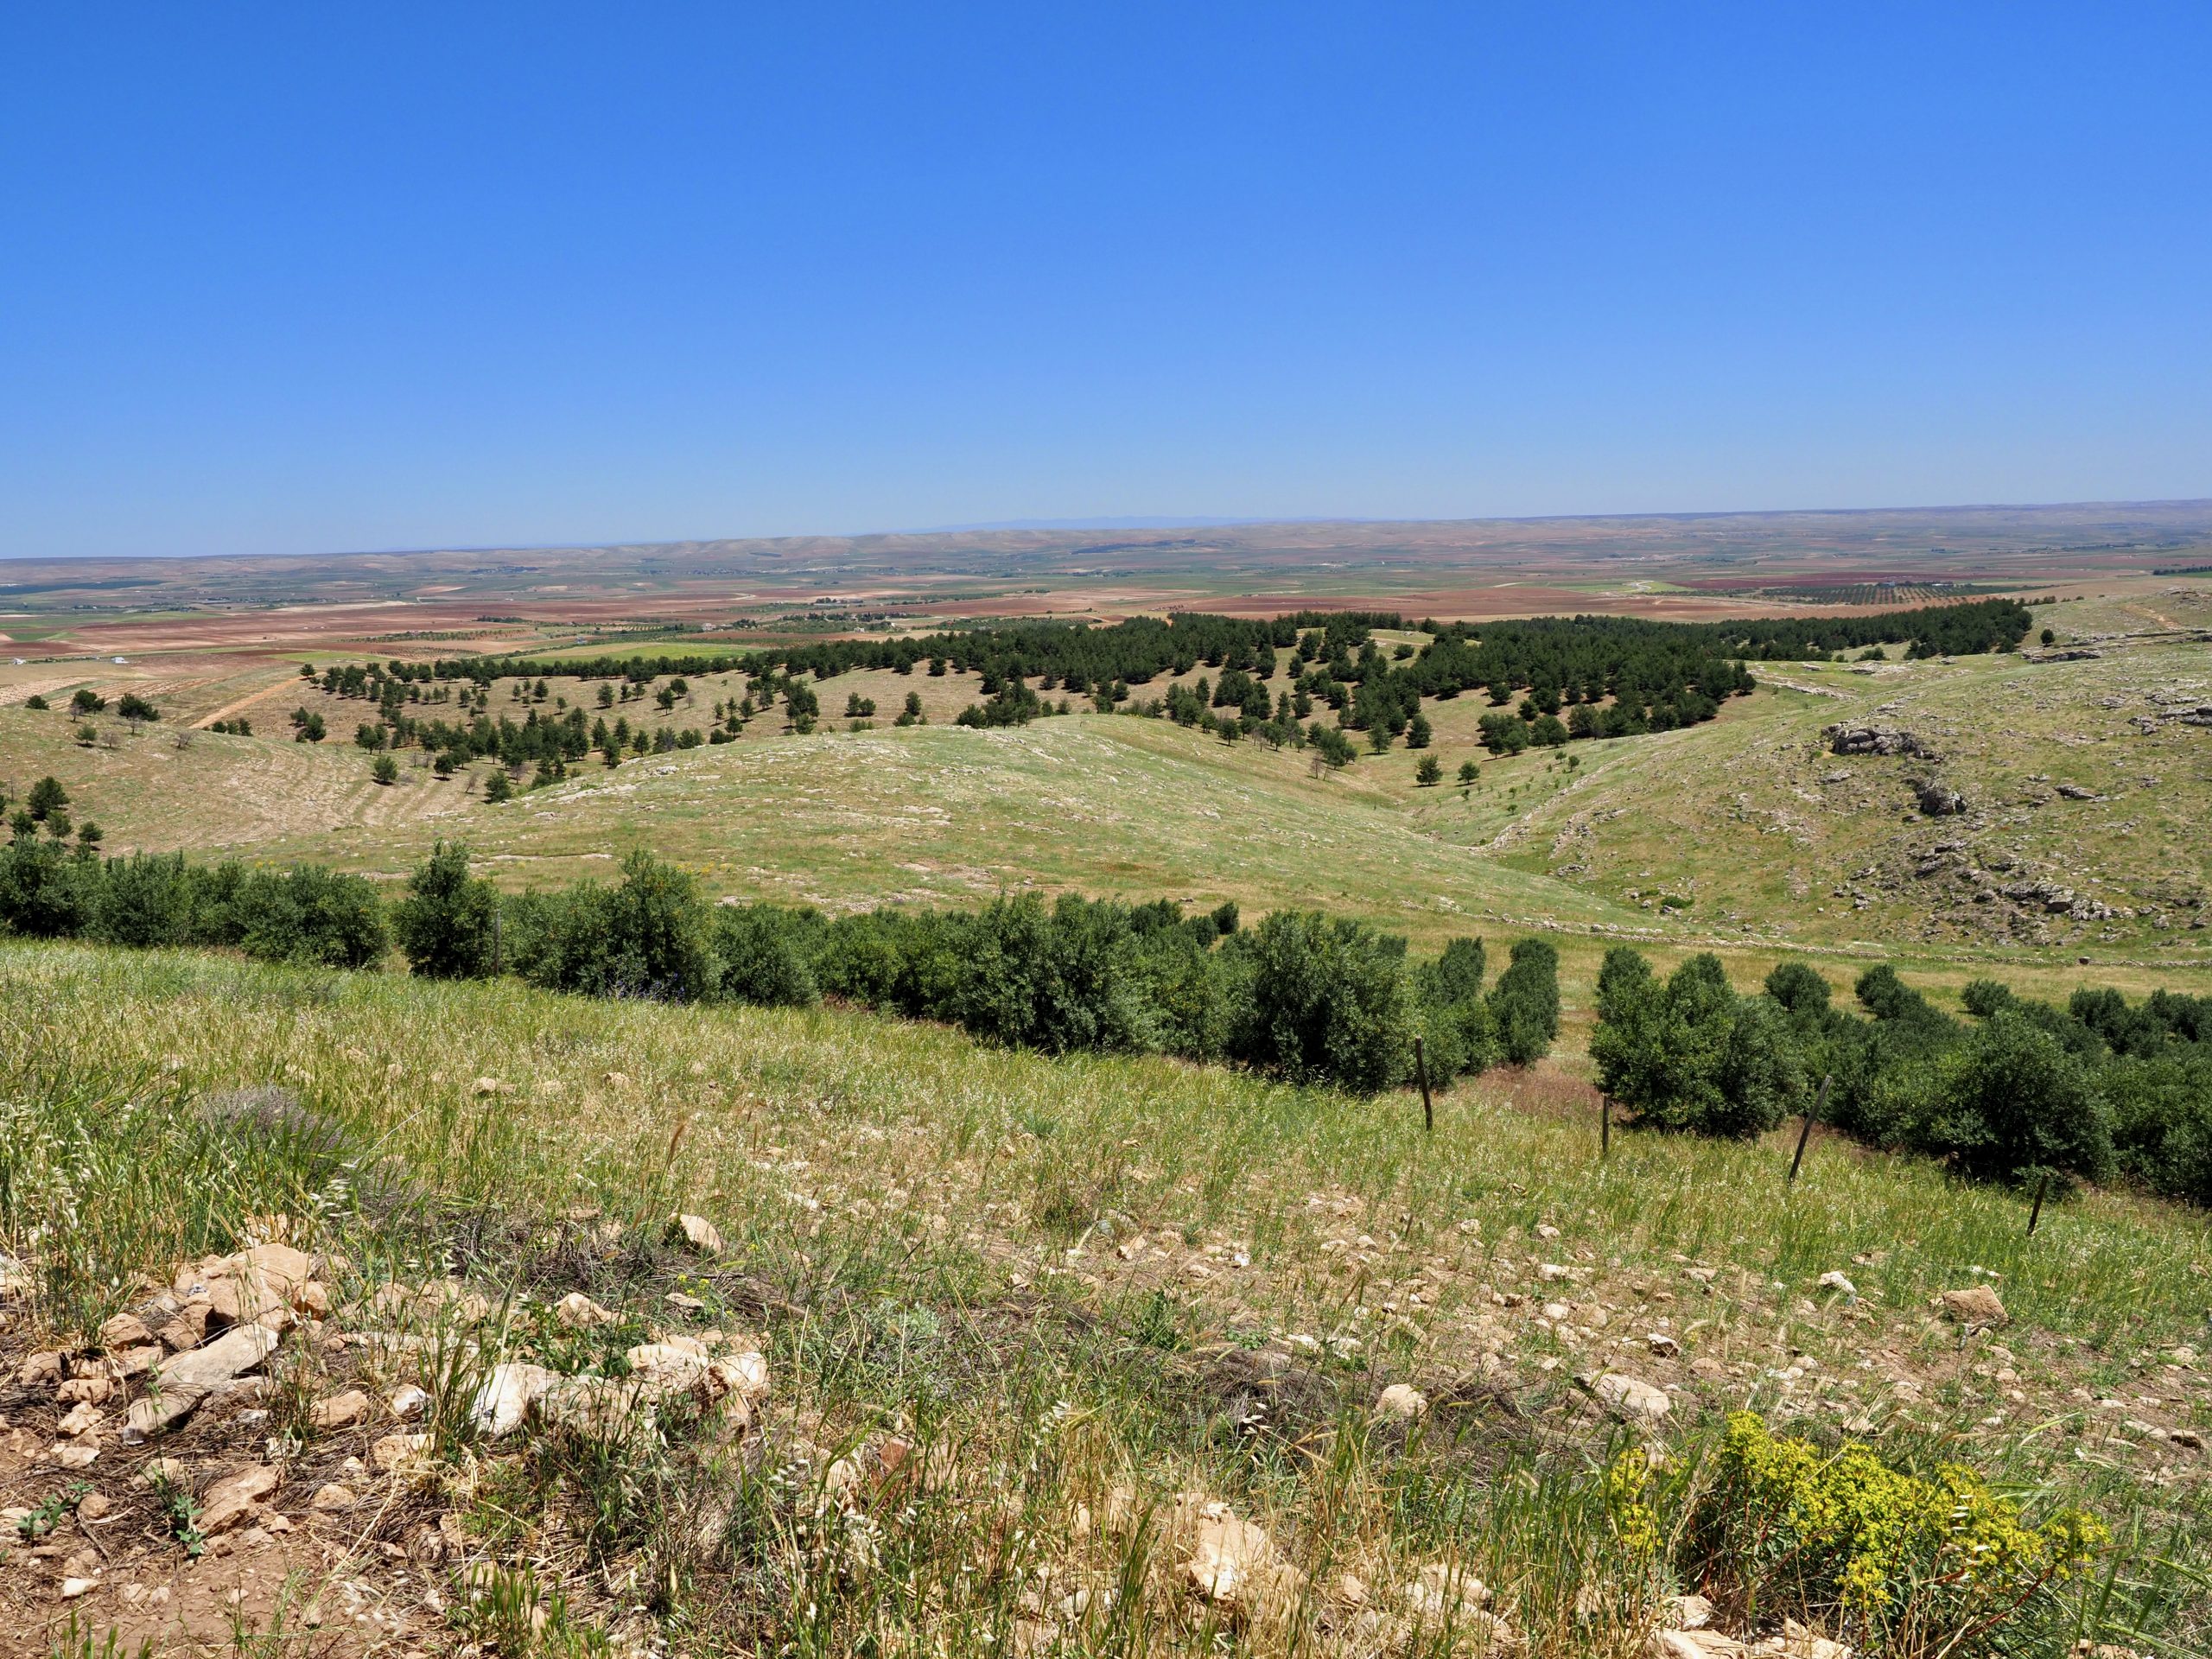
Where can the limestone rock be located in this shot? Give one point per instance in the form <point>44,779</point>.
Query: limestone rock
<point>39,1370</point>
<point>505,1398</point>
<point>1848,737</point>
<point>399,1451</point>
<point>579,1312</point>
<point>190,1377</point>
<point>341,1410</point>
<point>232,1502</point>
<point>1841,1283</point>
<point>1975,1305</point>
<point>1631,1397</point>
<point>330,1498</point>
<point>1234,1564</point>
<point>125,1331</point>
<point>1693,1644</point>
<point>700,1234</point>
<point>1402,1402</point>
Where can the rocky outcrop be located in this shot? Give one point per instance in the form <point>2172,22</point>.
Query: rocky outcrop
<point>1849,737</point>
<point>1939,800</point>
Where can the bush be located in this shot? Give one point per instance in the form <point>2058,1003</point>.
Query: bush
<point>310,914</point>
<point>131,706</point>
<point>1525,1002</point>
<point>445,924</point>
<point>1888,1559</point>
<point>1691,1054</point>
<point>2161,1115</point>
<point>144,902</point>
<point>2010,1103</point>
<point>763,956</point>
<point>1328,1001</point>
<point>45,892</point>
<point>650,937</point>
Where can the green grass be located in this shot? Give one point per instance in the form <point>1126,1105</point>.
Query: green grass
<point>948,1231</point>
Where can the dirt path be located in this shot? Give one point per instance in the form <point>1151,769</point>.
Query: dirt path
<point>246,702</point>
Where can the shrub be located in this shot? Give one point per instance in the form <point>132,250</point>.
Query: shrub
<point>87,701</point>
<point>1525,1002</point>
<point>145,901</point>
<point>2011,1102</point>
<point>310,914</point>
<point>2161,1114</point>
<point>1329,1000</point>
<point>762,956</point>
<point>131,706</point>
<point>45,894</point>
<point>1890,1560</point>
<point>650,937</point>
<point>1691,1054</point>
<point>445,923</point>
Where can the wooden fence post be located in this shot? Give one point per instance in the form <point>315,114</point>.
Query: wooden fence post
<point>1605,1127</point>
<point>1421,1070</point>
<point>1819,1107</point>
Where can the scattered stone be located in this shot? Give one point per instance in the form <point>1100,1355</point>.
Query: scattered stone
<point>1693,1644</point>
<point>1841,1283</point>
<point>232,1502</point>
<point>1663,1345</point>
<point>39,1370</point>
<point>1631,1397</point>
<point>340,1410</point>
<point>81,1418</point>
<point>73,1454</point>
<point>579,1312</point>
<point>162,1471</point>
<point>1687,1613</point>
<point>331,1497</point>
<point>73,1588</point>
<point>1442,1593</point>
<point>1234,1564</point>
<point>94,1390</point>
<point>399,1451</point>
<point>700,1234</point>
<point>1976,1304</point>
<point>125,1331</point>
<point>408,1400</point>
<point>505,1398</point>
<point>190,1377</point>
<point>1402,1402</point>
<point>189,1328</point>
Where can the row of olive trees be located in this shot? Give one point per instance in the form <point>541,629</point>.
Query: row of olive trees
<point>2018,1090</point>
<point>1302,995</point>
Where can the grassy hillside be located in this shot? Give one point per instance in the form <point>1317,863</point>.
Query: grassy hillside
<point>1053,1285</point>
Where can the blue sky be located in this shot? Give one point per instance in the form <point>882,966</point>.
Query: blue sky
<point>290,279</point>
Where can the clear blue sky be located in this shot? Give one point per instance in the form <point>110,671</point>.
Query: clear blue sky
<point>301,278</point>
